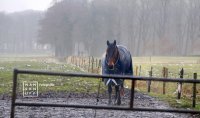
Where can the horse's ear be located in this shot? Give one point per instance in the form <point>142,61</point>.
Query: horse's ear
<point>108,43</point>
<point>114,42</point>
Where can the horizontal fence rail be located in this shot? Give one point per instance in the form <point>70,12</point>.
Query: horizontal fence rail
<point>34,72</point>
<point>130,108</point>
<point>105,107</point>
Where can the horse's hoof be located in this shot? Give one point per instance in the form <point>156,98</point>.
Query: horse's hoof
<point>109,102</point>
<point>119,102</point>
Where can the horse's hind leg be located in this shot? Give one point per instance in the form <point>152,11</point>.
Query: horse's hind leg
<point>117,95</point>
<point>122,89</point>
<point>109,94</point>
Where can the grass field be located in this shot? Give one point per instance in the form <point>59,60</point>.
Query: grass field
<point>86,85</point>
<point>174,64</point>
<point>45,83</point>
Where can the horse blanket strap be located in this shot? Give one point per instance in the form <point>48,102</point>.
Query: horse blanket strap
<point>109,80</point>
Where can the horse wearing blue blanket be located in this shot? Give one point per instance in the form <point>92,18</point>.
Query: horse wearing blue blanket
<point>117,61</point>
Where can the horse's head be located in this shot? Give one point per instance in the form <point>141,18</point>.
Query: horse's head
<point>112,54</point>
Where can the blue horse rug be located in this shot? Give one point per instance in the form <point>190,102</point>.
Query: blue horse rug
<point>123,66</point>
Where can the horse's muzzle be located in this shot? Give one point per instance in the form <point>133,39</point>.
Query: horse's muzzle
<point>111,67</point>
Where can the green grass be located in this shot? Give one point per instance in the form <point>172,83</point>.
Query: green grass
<point>45,83</point>
<point>88,85</point>
<point>174,64</point>
<point>170,96</point>
<point>172,100</point>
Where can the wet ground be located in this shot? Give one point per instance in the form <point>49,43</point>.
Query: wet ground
<point>141,100</point>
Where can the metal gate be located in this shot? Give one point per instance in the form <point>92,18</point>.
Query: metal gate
<point>130,108</point>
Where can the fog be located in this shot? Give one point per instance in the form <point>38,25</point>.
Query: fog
<point>10,6</point>
<point>82,27</point>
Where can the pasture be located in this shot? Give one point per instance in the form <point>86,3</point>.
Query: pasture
<point>174,64</point>
<point>144,64</point>
<point>86,85</point>
<point>45,83</point>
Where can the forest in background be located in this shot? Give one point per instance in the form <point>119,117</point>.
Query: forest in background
<point>19,32</point>
<point>81,27</point>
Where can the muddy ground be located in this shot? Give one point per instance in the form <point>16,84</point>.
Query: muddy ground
<point>141,100</point>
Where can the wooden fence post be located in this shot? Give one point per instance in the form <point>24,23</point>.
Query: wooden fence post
<point>96,63</point>
<point>98,66</point>
<point>89,65</point>
<point>82,65</point>
<point>149,81</point>
<point>165,75</point>
<point>76,61</point>
<point>92,64</point>
<point>99,63</point>
<point>140,70</point>
<point>136,74</point>
<point>163,82</point>
<point>79,61</point>
<point>194,91</point>
<point>180,84</point>
<point>136,71</point>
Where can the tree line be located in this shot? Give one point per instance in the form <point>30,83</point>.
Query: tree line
<point>145,27</point>
<point>19,32</point>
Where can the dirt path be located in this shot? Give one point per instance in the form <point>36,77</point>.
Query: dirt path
<point>141,100</point>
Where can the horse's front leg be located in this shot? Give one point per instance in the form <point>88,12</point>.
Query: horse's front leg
<point>117,95</point>
<point>109,94</point>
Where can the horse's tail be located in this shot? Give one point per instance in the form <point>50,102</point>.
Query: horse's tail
<point>131,67</point>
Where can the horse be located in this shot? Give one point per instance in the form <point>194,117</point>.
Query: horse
<point>117,60</point>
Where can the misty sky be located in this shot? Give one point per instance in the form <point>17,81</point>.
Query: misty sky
<point>10,6</point>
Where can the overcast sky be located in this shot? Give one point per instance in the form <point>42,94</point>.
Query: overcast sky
<point>10,6</point>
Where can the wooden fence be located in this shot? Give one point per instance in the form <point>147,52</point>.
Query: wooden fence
<point>179,84</point>
<point>93,65</point>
